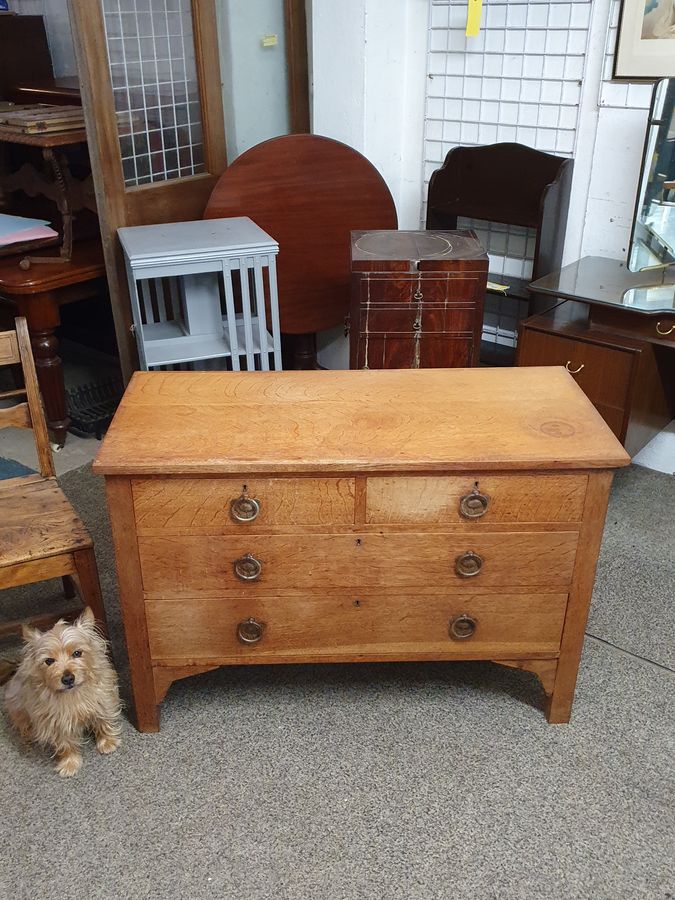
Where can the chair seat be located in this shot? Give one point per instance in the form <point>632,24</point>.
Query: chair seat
<point>37,521</point>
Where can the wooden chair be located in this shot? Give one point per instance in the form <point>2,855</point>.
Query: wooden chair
<point>41,536</point>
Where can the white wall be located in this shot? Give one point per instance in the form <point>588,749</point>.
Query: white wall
<point>368,86</point>
<point>369,61</point>
<point>255,92</point>
<point>608,155</point>
<point>369,71</point>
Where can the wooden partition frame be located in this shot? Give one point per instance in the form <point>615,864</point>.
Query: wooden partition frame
<point>178,199</point>
<point>298,65</point>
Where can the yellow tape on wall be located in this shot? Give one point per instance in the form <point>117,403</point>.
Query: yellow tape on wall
<point>473,17</point>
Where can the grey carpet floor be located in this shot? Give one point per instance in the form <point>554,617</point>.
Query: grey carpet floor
<point>377,781</point>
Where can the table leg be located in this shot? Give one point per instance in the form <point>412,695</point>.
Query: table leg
<point>42,315</point>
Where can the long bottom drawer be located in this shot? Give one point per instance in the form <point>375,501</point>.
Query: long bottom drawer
<point>473,625</point>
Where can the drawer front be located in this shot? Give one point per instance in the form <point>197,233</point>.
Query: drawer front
<point>181,504</point>
<point>432,351</point>
<point>399,288</point>
<point>658,328</point>
<point>353,624</point>
<point>603,373</point>
<point>477,499</point>
<point>192,565</point>
<point>402,321</point>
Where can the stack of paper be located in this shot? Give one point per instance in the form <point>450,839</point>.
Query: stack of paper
<point>18,229</point>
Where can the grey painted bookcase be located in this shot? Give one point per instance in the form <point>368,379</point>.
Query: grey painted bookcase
<point>204,294</point>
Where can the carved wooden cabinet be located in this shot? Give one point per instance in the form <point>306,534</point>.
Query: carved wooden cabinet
<point>268,517</point>
<point>417,299</point>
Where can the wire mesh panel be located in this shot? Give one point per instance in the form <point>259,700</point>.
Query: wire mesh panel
<point>153,70</point>
<point>518,80</point>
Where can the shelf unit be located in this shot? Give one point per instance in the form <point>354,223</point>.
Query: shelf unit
<point>204,295</point>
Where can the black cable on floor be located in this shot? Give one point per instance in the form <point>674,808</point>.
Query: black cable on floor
<point>630,653</point>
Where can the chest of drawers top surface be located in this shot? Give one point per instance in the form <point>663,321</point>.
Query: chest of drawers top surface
<point>427,420</point>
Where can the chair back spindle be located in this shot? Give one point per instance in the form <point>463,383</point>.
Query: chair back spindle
<point>15,349</point>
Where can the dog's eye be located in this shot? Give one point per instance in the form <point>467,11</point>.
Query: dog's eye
<point>77,653</point>
<point>49,661</point>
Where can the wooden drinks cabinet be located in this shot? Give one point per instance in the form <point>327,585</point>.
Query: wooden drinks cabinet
<point>291,517</point>
<point>417,299</point>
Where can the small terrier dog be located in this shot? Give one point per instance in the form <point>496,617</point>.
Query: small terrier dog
<point>65,686</point>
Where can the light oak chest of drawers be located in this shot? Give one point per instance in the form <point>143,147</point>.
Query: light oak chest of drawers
<point>287,517</point>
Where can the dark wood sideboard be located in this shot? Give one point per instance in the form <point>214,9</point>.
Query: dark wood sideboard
<point>614,331</point>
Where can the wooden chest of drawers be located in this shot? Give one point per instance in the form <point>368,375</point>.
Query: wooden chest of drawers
<point>417,299</point>
<point>340,516</point>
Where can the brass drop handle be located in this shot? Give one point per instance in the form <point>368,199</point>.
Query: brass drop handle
<point>573,371</point>
<point>462,627</point>
<point>248,568</point>
<point>468,564</point>
<point>244,508</point>
<point>473,505</point>
<point>664,333</point>
<point>250,631</point>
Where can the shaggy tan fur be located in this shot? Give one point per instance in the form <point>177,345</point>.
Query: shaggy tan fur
<point>64,687</point>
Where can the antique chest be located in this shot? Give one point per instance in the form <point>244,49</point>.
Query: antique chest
<point>289,517</point>
<point>416,299</point>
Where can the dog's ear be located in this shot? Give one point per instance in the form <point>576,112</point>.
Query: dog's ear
<point>29,634</point>
<point>86,618</point>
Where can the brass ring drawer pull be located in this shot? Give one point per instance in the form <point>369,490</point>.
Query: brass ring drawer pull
<point>664,333</point>
<point>250,631</point>
<point>462,627</point>
<point>468,564</point>
<point>244,508</point>
<point>473,505</point>
<point>573,371</point>
<point>248,568</point>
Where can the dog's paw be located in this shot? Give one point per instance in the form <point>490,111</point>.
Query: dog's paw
<point>107,743</point>
<point>69,765</point>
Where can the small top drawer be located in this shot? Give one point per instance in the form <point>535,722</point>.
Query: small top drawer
<point>484,498</point>
<point>236,504</point>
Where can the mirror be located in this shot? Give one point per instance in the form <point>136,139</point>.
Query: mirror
<point>653,237</point>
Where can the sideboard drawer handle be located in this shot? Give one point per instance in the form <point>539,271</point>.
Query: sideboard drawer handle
<point>248,568</point>
<point>462,627</point>
<point>250,631</point>
<point>244,508</point>
<point>468,564</point>
<point>573,371</point>
<point>473,505</point>
<point>664,333</point>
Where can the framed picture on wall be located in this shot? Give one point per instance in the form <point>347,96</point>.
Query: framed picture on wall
<point>645,48</point>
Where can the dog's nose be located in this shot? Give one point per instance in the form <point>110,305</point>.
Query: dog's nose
<point>68,679</point>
